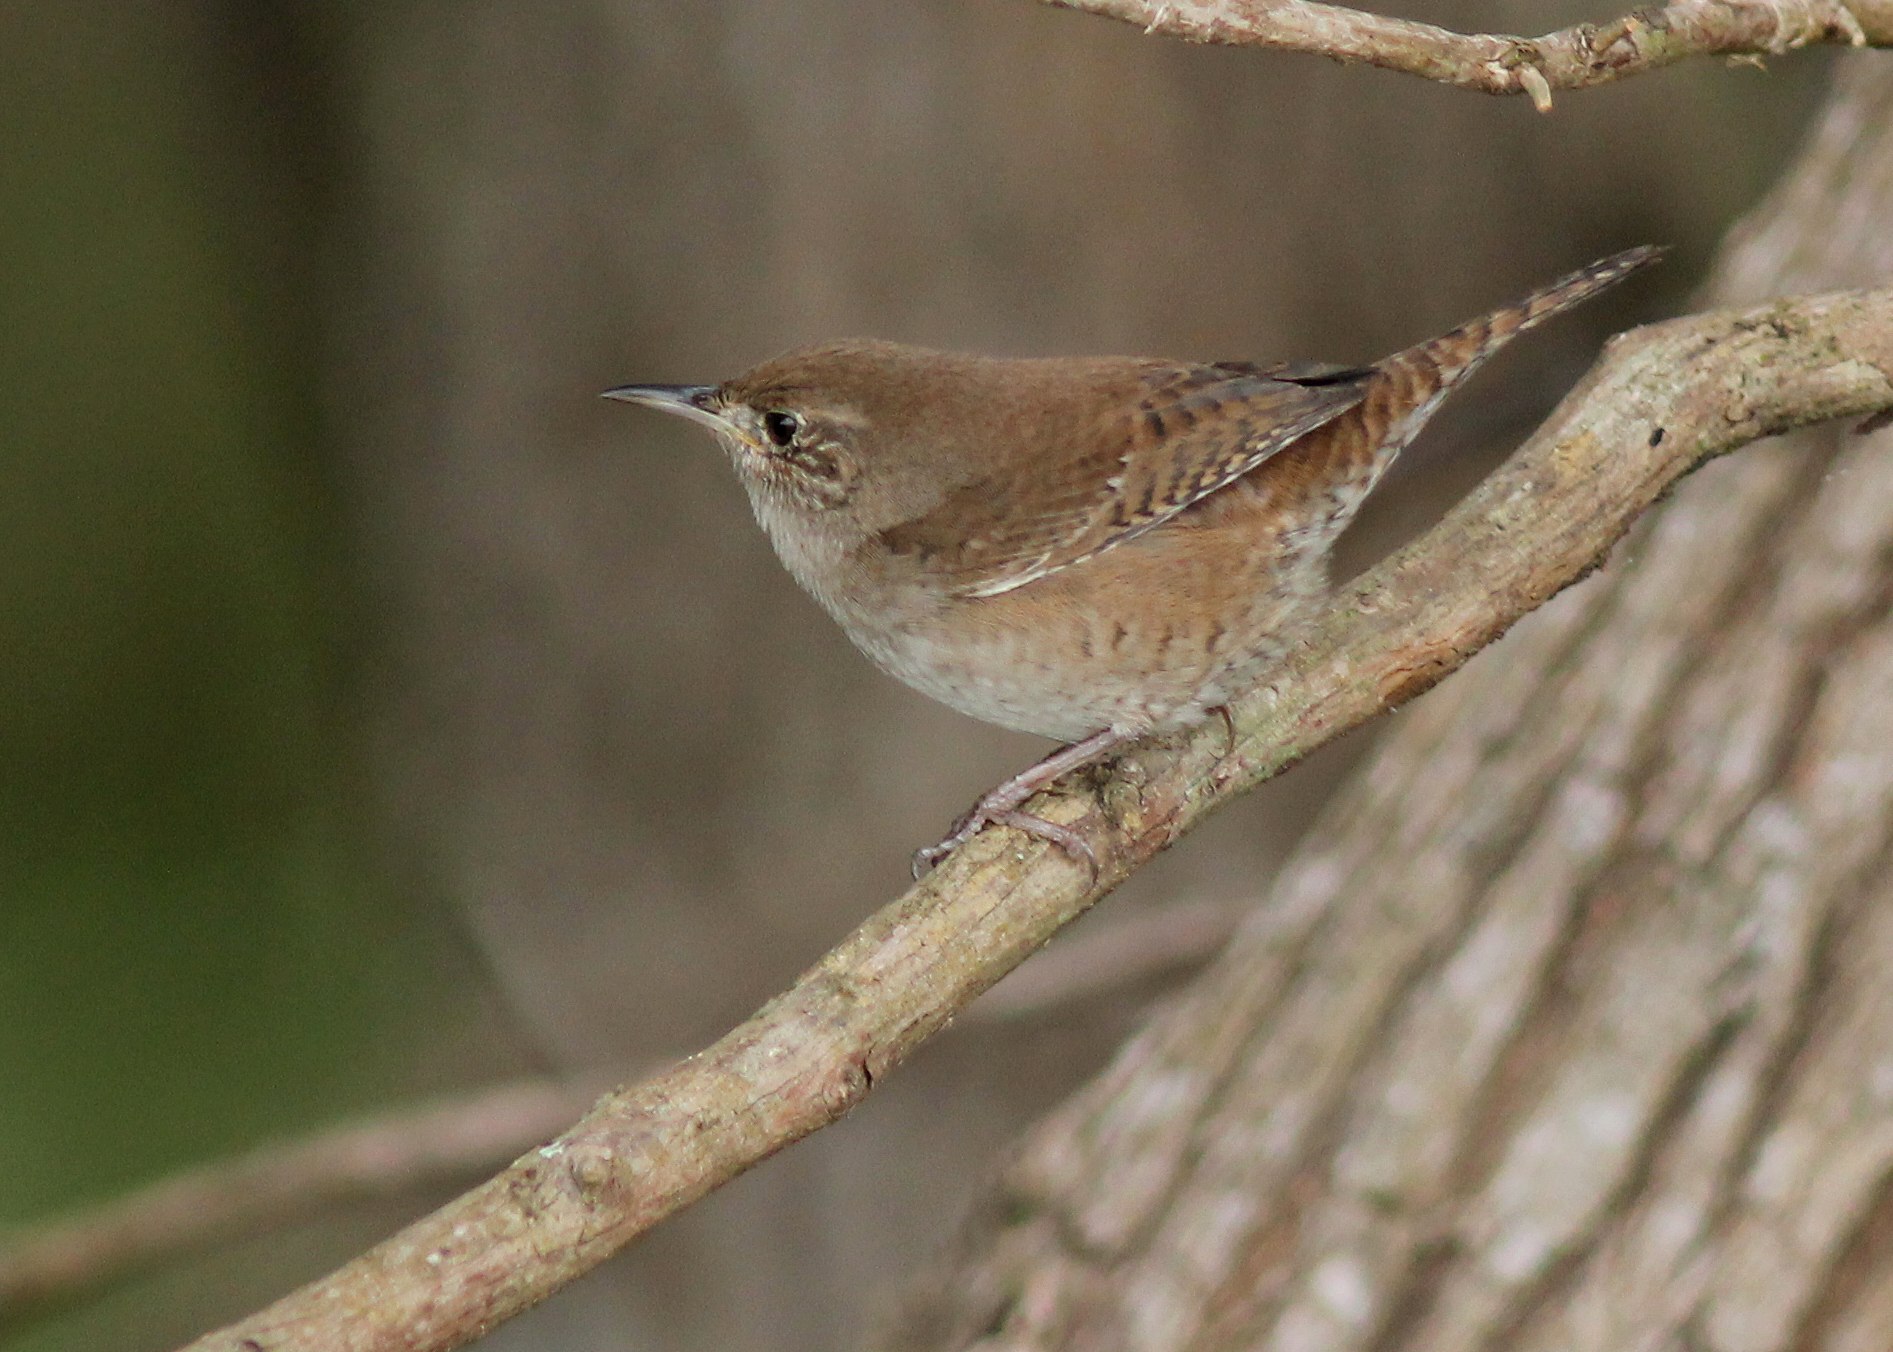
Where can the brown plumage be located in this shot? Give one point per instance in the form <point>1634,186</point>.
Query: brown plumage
<point>1088,548</point>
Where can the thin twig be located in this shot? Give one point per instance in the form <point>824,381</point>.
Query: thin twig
<point>452,1139</point>
<point>1661,402</point>
<point>1495,63</point>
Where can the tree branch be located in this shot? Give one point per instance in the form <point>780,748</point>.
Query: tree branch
<point>1662,401</point>
<point>1493,63</point>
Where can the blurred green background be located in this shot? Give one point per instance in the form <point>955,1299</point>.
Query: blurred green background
<point>378,715</point>
<point>198,948</point>
<point>179,864</point>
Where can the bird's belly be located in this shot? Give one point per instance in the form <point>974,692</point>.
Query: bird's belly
<point>1077,652</point>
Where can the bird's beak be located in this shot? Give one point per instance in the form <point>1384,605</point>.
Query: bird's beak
<point>696,402</point>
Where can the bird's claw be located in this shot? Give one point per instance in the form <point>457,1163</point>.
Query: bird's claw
<point>982,816</point>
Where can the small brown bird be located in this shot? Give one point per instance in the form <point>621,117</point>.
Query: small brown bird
<point>1092,549</point>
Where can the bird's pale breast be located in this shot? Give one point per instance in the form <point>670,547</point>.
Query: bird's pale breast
<point>1148,636</point>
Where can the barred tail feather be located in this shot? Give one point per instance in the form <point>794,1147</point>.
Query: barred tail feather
<point>1408,386</point>
<point>1455,355</point>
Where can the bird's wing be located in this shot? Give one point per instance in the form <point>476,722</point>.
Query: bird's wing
<point>1186,432</point>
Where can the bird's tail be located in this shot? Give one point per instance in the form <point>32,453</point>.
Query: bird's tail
<point>1336,466</point>
<point>1426,372</point>
<point>1408,386</point>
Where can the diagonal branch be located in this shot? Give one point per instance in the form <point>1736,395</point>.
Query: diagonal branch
<point>1662,401</point>
<point>1491,63</point>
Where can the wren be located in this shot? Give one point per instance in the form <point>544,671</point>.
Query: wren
<point>1093,549</point>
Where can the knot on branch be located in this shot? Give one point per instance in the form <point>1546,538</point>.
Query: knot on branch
<point>1843,21</point>
<point>1522,67</point>
<point>1614,45</point>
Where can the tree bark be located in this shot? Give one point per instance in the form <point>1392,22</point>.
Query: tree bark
<point>1567,1027</point>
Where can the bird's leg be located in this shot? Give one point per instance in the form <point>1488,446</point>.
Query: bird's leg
<point>1001,806</point>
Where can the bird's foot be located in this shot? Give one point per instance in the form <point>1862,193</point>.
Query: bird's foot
<point>982,816</point>
<point>1001,806</point>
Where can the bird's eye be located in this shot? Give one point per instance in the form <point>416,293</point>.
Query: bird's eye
<point>780,426</point>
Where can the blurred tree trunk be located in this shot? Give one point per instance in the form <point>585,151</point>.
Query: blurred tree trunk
<point>1568,1026</point>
